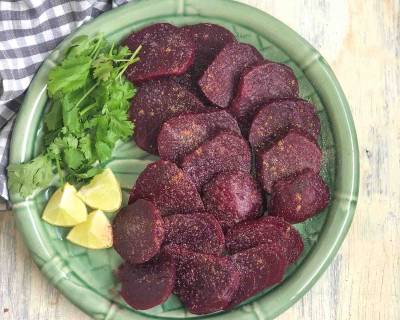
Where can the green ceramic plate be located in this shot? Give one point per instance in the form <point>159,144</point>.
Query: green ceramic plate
<point>85,276</point>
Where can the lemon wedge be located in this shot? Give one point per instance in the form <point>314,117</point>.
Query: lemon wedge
<point>103,192</point>
<point>65,208</point>
<point>94,233</point>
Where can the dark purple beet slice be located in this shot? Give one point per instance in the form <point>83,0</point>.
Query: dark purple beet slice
<point>271,230</point>
<point>224,152</point>
<point>259,83</point>
<point>220,79</point>
<point>183,134</point>
<point>204,283</point>
<point>168,187</point>
<point>305,118</point>
<point>209,39</point>
<point>147,285</point>
<point>299,197</point>
<point>165,52</point>
<point>275,117</point>
<point>187,81</point>
<point>138,231</point>
<point>198,232</point>
<point>289,155</point>
<point>156,102</point>
<point>273,120</point>
<point>232,197</point>
<point>259,268</point>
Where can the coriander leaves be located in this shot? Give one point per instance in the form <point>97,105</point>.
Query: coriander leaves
<point>26,178</point>
<point>72,74</point>
<point>90,100</point>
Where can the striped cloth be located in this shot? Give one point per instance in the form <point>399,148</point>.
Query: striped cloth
<point>29,31</point>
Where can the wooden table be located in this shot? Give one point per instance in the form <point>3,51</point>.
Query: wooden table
<point>361,41</point>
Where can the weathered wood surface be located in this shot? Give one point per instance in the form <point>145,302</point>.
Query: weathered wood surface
<point>361,41</point>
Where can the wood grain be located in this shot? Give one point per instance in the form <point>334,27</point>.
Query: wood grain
<point>361,41</point>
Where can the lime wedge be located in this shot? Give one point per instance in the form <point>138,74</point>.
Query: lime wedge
<point>94,233</point>
<point>65,208</point>
<point>103,192</point>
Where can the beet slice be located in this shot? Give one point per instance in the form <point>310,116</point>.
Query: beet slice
<point>168,187</point>
<point>183,134</point>
<point>299,197</point>
<point>165,52</point>
<point>198,232</point>
<point>259,268</point>
<point>187,81</point>
<point>204,283</point>
<point>304,118</point>
<point>138,231</point>
<point>224,152</point>
<point>220,79</point>
<point>275,117</point>
<point>258,84</point>
<point>291,154</point>
<point>147,285</point>
<point>232,197</point>
<point>209,39</point>
<point>269,123</point>
<point>271,230</point>
<point>156,102</point>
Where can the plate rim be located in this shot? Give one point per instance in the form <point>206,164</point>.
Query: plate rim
<point>312,64</point>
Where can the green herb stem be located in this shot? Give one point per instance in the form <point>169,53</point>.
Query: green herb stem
<point>111,49</point>
<point>87,109</point>
<point>134,58</point>
<point>136,52</point>
<point>96,49</point>
<point>86,94</point>
<point>124,67</point>
<point>60,174</point>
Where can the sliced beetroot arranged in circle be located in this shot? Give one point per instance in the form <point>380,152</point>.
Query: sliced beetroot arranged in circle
<point>299,197</point>
<point>168,187</point>
<point>224,152</point>
<point>198,232</point>
<point>220,79</point>
<point>165,52</point>
<point>275,117</point>
<point>291,154</point>
<point>258,84</point>
<point>156,102</point>
<point>138,231</point>
<point>232,197</point>
<point>259,268</point>
<point>183,134</point>
<point>147,285</point>
<point>273,231</point>
<point>204,283</point>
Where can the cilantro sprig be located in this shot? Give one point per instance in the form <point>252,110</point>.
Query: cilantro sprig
<point>88,114</point>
